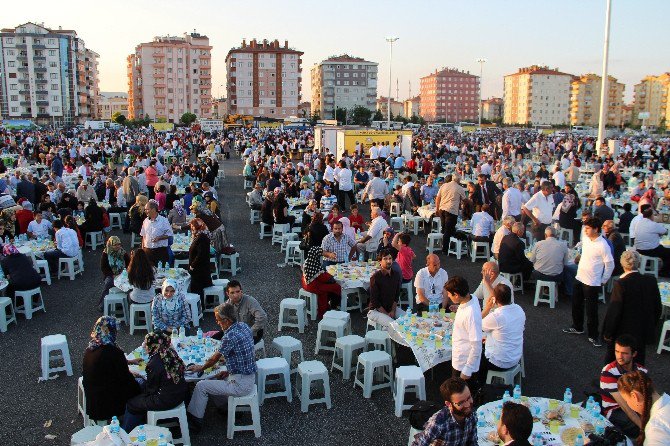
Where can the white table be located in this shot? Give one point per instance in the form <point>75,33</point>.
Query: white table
<point>353,274</point>
<point>429,353</point>
<point>180,275</point>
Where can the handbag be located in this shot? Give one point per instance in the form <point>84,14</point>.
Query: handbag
<point>304,243</point>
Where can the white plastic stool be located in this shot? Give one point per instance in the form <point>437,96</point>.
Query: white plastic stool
<point>436,226</point>
<point>508,377</point>
<point>85,435</point>
<point>195,305</point>
<point>288,320</point>
<point>546,297</point>
<point>138,322</point>
<point>287,237</point>
<point>434,242</point>
<point>379,339</point>
<point>286,346</point>
<point>476,254</point>
<point>254,216</point>
<point>406,295</point>
<point>112,301</point>
<point>398,224</point>
<point>55,343</point>
<point>350,299</point>
<point>278,231</point>
<point>42,267</point>
<point>214,266</point>
<point>342,315</point>
<point>649,265</point>
<point>233,265</point>
<point>135,240</point>
<point>115,220</point>
<point>336,326</point>
<point>181,263</point>
<point>310,300</point>
<point>457,247</point>
<point>368,363</point>
<point>93,239</point>
<point>309,373</point>
<point>270,367</point>
<point>407,379</point>
<point>73,266</point>
<point>250,400</point>
<point>7,314</point>
<point>347,348</point>
<point>179,412</point>
<point>215,291</point>
<point>566,235</point>
<point>516,279</point>
<point>395,210</point>
<point>412,433</point>
<point>27,307</point>
<point>412,223</point>
<point>266,231</point>
<point>248,184</point>
<point>661,342</point>
<point>294,255</point>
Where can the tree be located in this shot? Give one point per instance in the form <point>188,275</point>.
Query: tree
<point>118,118</point>
<point>414,119</point>
<point>360,115</point>
<point>341,115</point>
<point>378,116</point>
<point>315,117</point>
<point>188,118</point>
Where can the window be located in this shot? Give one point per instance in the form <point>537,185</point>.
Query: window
<point>195,91</point>
<point>14,97</point>
<point>53,75</point>
<point>9,40</point>
<point>10,63</point>
<point>51,41</point>
<point>195,81</point>
<point>55,98</point>
<point>14,87</point>
<point>12,75</point>
<point>52,52</point>
<point>10,52</point>
<point>55,109</point>
<point>15,109</point>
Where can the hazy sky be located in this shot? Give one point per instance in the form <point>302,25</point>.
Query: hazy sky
<point>567,34</point>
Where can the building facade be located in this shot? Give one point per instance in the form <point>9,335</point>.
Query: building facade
<point>412,107</point>
<point>47,76</point>
<point>492,109</point>
<point>110,103</point>
<point>450,95</point>
<point>343,82</point>
<point>651,96</point>
<point>264,79</point>
<point>585,100</point>
<point>537,95</point>
<point>397,107</point>
<point>171,76</point>
<point>219,108</point>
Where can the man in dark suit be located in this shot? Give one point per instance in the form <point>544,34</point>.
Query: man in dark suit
<point>511,256</point>
<point>25,188</point>
<point>515,424</point>
<point>602,211</point>
<point>486,192</point>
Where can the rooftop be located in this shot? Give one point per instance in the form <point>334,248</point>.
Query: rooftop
<point>538,69</point>
<point>264,46</point>
<point>346,58</point>
<point>449,72</point>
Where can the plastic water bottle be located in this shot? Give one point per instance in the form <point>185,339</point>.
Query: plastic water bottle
<point>589,403</point>
<point>161,440</point>
<point>141,434</point>
<point>599,426</point>
<point>481,422</point>
<point>506,396</point>
<point>174,334</point>
<point>579,440</point>
<point>537,439</point>
<point>595,411</point>
<point>567,396</point>
<point>182,332</point>
<point>360,257</point>
<point>199,334</point>
<point>114,425</point>
<point>517,393</point>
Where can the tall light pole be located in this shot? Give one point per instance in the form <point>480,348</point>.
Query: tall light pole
<point>390,40</point>
<point>481,61</point>
<point>602,122</point>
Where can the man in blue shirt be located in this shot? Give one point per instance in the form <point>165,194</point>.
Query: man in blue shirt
<point>237,351</point>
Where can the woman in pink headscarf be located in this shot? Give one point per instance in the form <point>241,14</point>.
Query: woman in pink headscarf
<point>649,197</point>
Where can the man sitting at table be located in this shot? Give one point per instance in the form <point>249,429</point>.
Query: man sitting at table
<point>67,245</point>
<point>337,246</point>
<point>549,256</point>
<point>247,309</point>
<point>611,233</point>
<point>502,231</point>
<point>482,225</point>
<point>237,350</point>
<point>491,278</point>
<point>503,324</point>
<point>515,424</point>
<point>601,210</point>
<point>39,227</point>
<point>648,239</point>
<point>512,258</point>
<point>429,282</point>
<point>625,219</point>
<point>385,291</point>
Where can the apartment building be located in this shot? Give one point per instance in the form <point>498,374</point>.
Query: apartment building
<point>111,102</point>
<point>585,100</point>
<point>492,109</point>
<point>651,96</point>
<point>412,107</point>
<point>450,95</point>
<point>537,95</point>
<point>397,107</point>
<point>264,79</point>
<point>47,76</point>
<point>170,76</point>
<point>343,82</point>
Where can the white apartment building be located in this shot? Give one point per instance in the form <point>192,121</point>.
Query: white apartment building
<point>537,95</point>
<point>171,76</point>
<point>111,102</point>
<point>264,79</point>
<point>344,82</point>
<point>47,76</point>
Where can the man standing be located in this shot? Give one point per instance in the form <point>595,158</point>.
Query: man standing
<point>337,247</point>
<point>384,291</point>
<point>511,200</point>
<point>539,209</point>
<point>429,283</point>
<point>486,192</point>
<point>247,309</point>
<point>344,186</point>
<point>447,204</point>
<point>376,189</point>
<point>595,266</point>
<point>155,232</point>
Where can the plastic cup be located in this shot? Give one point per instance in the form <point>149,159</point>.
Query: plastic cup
<point>424,314</point>
<point>452,316</point>
<point>574,411</point>
<point>438,343</point>
<point>419,341</point>
<point>553,426</point>
<point>553,404</point>
<point>443,312</point>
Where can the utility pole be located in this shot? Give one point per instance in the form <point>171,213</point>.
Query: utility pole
<point>390,40</point>
<point>602,122</point>
<point>481,61</point>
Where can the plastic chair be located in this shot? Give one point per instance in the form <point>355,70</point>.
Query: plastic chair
<point>179,412</point>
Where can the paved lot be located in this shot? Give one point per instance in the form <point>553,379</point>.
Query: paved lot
<point>31,410</point>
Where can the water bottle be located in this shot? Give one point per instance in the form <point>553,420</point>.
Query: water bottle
<point>595,411</point>
<point>506,396</point>
<point>517,393</point>
<point>141,435</point>
<point>161,440</point>
<point>567,396</point>
<point>481,422</point>
<point>114,425</point>
<point>360,257</point>
<point>182,333</point>
<point>579,440</point>
<point>599,426</point>
<point>537,439</point>
<point>589,403</point>
<point>199,334</point>
<point>174,334</point>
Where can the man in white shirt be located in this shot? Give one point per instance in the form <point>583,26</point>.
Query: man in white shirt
<point>376,189</point>
<point>329,174</point>
<point>375,232</point>
<point>559,178</point>
<point>39,227</point>
<point>482,225</point>
<point>67,245</point>
<point>511,200</point>
<point>374,151</point>
<point>540,208</point>
<point>502,231</point>
<point>549,256</point>
<point>345,186</point>
<point>504,326</point>
<point>429,283</point>
<point>490,279</point>
<point>595,266</point>
<point>648,238</point>
<point>466,337</point>
<point>155,233</point>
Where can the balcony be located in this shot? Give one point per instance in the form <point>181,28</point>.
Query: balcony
<point>205,76</point>
<point>159,65</point>
<point>24,91</point>
<point>41,81</point>
<point>42,92</point>
<point>43,103</point>
<point>38,69</point>
<point>39,46</point>
<point>40,58</point>
<point>22,69</point>
<point>159,95</point>
<point>24,103</point>
<point>160,84</point>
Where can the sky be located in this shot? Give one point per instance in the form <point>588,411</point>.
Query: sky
<point>509,34</point>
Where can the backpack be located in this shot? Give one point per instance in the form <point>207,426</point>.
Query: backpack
<point>421,412</point>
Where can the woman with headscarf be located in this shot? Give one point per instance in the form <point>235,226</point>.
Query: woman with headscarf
<point>648,197</point>
<point>307,215</point>
<point>198,257</point>
<point>217,231</point>
<point>567,214</point>
<point>170,310</point>
<point>114,261</point>
<point>19,270</point>
<point>108,384</point>
<point>347,229</point>
<point>165,387</point>
<point>316,280</point>
<point>177,216</point>
<point>136,214</point>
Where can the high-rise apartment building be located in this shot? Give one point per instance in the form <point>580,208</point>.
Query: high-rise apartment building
<point>585,100</point>
<point>169,77</point>
<point>110,103</point>
<point>264,79</point>
<point>537,95</point>
<point>651,96</point>
<point>450,95</point>
<point>47,76</point>
<point>492,109</point>
<point>343,82</point>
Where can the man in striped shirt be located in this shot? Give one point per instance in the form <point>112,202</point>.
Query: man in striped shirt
<point>613,404</point>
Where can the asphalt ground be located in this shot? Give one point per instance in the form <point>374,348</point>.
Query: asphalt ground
<point>31,411</point>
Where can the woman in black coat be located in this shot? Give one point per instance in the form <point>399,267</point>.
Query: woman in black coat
<point>108,384</point>
<point>317,230</point>
<point>198,257</point>
<point>19,270</point>
<point>165,387</point>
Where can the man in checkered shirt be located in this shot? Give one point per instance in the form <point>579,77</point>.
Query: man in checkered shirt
<point>337,247</point>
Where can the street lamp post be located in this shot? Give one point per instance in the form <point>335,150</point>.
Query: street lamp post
<point>481,61</point>
<point>602,122</point>
<point>390,40</point>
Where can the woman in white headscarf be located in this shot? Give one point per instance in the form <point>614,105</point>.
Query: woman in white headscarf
<point>169,309</point>
<point>346,228</point>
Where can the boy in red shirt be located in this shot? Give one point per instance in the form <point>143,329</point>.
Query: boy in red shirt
<point>405,255</point>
